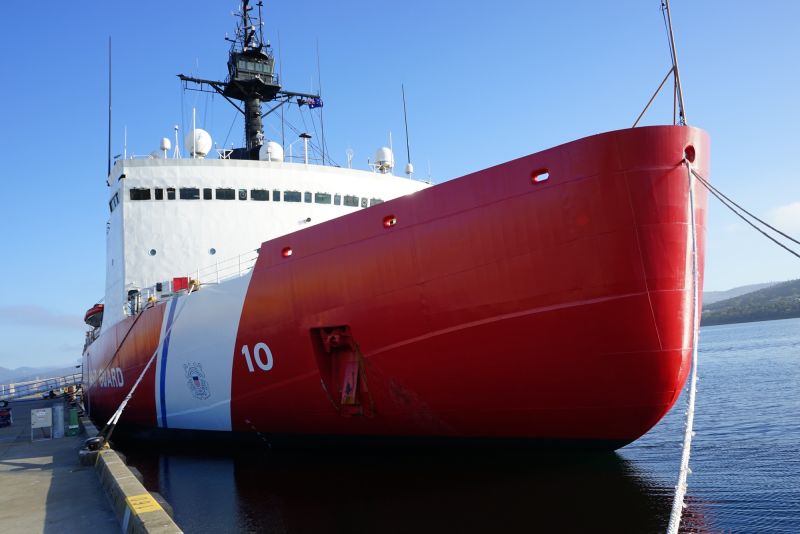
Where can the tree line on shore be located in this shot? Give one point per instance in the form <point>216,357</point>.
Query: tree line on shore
<point>780,301</point>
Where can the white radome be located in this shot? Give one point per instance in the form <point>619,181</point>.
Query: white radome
<point>384,158</point>
<point>165,144</point>
<point>199,145</point>
<point>270,151</point>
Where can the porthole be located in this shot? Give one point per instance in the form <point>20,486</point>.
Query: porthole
<point>212,251</point>
<point>540,176</point>
<point>152,252</point>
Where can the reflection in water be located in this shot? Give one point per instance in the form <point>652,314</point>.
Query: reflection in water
<point>259,490</point>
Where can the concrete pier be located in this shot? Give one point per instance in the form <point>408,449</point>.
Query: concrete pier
<point>47,486</point>
<point>43,487</point>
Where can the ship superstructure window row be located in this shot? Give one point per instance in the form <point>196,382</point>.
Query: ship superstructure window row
<point>140,194</point>
<point>190,193</point>
<point>262,195</point>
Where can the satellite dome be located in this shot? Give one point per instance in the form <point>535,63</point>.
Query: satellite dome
<point>165,144</point>
<point>270,151</point>
<point>384,159</point>
<point>199,144</point>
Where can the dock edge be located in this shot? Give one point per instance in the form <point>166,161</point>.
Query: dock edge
<point>137,511</point>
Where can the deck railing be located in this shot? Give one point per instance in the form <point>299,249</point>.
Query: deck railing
<point>219,272</point>
<point>226,269</point>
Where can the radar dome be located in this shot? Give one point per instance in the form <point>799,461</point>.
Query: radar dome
<point>384,159</point>
<point>198,144</point>
<point>165,144</point>
<point>270,151</point>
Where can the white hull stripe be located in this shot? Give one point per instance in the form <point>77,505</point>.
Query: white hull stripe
<point>194,371</point>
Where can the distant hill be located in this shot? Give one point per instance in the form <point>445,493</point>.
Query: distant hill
<point>710,297</point>
<point>778,301</point>
<point>22,374</point>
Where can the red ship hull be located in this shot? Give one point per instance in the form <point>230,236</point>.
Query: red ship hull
<point>491,306</point>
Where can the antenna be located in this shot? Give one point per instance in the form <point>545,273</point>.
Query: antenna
<point>349,154</point>
<point>194,134</point>
<point>109,106</point>
<point>409,166</point>
<point>177,153</point>
<point>391,151</point>
<point>260,24</point>
<point>280,77</point>
<point>319,87</point>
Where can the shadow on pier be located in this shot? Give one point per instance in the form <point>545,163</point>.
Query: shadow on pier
<point>44,488</point>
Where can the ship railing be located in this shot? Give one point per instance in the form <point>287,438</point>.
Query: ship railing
<point>220,271</point>
<point>18,390</point>
<point>226,269</point>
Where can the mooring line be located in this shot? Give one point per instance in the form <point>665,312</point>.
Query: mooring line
<point>112,422</point>
<point>681,487</point>
<point>728,203</point>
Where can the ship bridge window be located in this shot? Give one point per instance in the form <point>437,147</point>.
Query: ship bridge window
<point>337,199</point>
<point>170,193</point>
<point>374,201</point>
<point>242,194</point>
<point>226,193</point>
<point>307,197</point>
<point>259,194</point>
<point>364,202</point>
<point>206,193</point>
<point>350,200</point>
<point>291,196</point>
<point>159,193</point>
<point>114,202</point>
<point>138,193</point>
<point>322,198</point>
<point>190,193</point>
<point>276,195</point>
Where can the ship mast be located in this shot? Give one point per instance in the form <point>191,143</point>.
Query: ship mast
<point>252,80</point>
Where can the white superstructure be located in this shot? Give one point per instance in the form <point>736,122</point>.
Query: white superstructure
<point>196,218</point>
<point>175,217</point>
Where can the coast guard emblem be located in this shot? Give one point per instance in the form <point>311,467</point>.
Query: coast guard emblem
<point>196,380</point>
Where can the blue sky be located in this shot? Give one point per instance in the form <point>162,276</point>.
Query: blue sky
<point>485,83</point>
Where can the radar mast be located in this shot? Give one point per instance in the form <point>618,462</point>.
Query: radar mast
<point>251,79</point>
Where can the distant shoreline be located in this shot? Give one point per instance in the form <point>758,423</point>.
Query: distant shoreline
<point>777,301</point>
<point>704,322</point>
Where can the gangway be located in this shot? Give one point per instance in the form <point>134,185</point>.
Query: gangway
<point>18,390</point>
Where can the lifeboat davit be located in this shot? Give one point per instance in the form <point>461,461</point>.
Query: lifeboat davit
<point>94,316</point>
